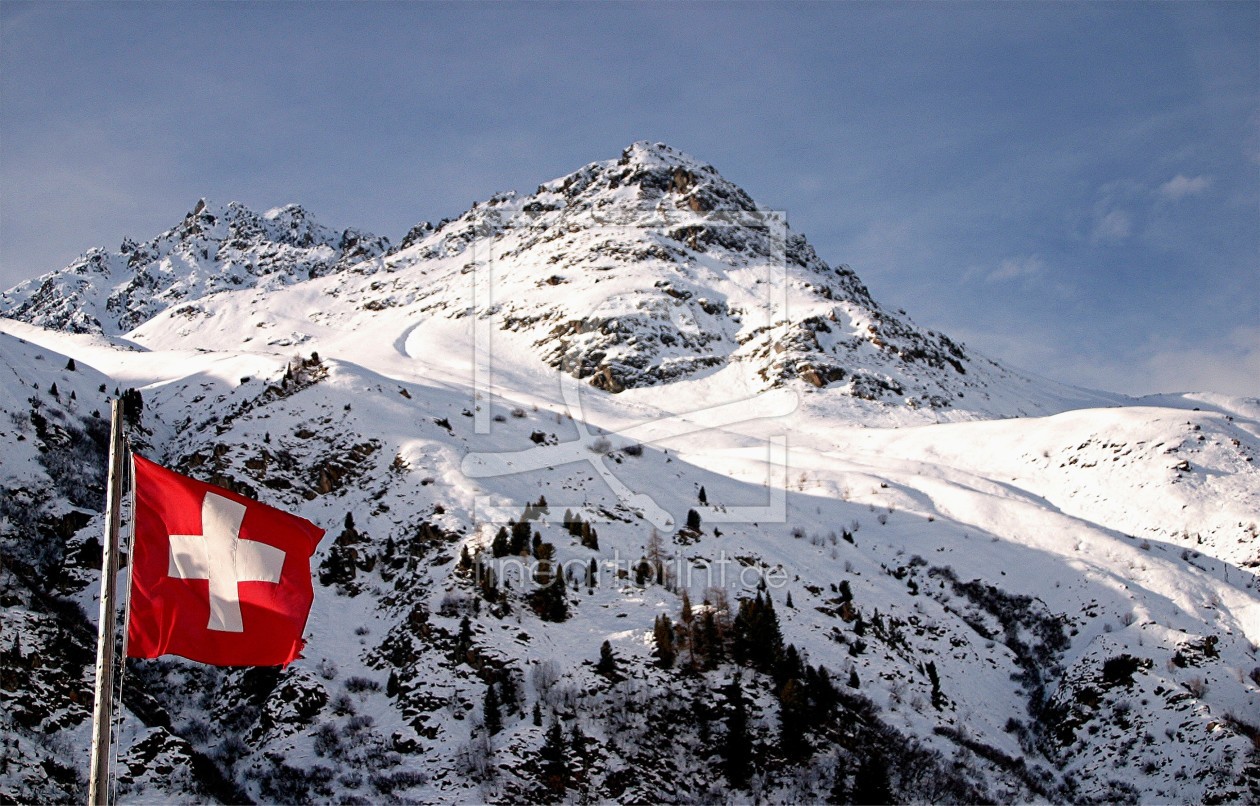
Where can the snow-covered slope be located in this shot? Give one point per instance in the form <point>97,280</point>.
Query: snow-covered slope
<point>863,602</point>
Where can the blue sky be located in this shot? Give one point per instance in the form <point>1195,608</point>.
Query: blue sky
<point>1074,188</point>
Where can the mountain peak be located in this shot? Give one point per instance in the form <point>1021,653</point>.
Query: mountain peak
<point>648,178</point>
<point>666,267</point>
<point>656,155</point>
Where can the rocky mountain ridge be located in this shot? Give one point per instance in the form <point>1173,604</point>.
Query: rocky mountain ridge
<point>215,248</point>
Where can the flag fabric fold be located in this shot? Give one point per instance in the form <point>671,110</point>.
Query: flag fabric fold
<point>216,577</point>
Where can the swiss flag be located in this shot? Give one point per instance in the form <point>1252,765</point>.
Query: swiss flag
<point>215,577</point>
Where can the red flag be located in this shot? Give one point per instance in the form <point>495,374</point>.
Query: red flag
<point>216,577</point>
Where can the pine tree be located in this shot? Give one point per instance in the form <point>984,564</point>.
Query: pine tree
<point>133,406</point>
<point>756,638</point>
<point>711,632</point>
<point>870,782</point>
<point>463,641</point>
<point>550,602</point>
<point>487,581</point>
<point>509,693</point>
<point>686,613</point>
<point>560,605</point>
<point>520,544</point>
<point>391,685</point>
<point>537,715</point>
<point>853,678</point>
<point>607,665</point>
<point>789,665</point>
<point>793,710</point>
<point>695,647</point>
<point>499,547</point>
<point>338,566</point>
<point>642,573</point>
<point>693,520</point>
<point>938,699</point>
<point>578,762</point>
<point>555,762</point>
<point>736,751</point>
<point>588,536</point>
<point>544,572</point>
<point>494,720</point>
<point>702,715</point>
<point>663,635</point>
<point>52,390</point>
<point>703,497</point>
<point>822,693</point>
<point>70,367</point>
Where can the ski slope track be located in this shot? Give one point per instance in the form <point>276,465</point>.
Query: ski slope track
<point>891,567</point>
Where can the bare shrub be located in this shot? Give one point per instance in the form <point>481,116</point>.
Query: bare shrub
<point>356,685</point>
<point>600,445</point>
<point>544,676</point>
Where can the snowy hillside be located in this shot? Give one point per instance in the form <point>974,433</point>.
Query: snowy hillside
<point>629,497</point>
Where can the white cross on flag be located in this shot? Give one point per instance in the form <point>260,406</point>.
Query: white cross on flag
<point>216,577</point>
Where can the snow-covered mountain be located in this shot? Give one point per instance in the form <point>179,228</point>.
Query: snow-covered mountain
<point>829,555</point>
<point>630,273</point>
<point>213,249</point>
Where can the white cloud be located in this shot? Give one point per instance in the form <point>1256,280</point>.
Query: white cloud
<point>1111,227</point>
<point>1015,268</point>
<point>1228,365</point>
<point>1181,186</point>
<point>1223,363</point>
<point>1231,366</point>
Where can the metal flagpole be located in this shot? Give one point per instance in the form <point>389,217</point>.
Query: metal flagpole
<point>98,783</point>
